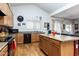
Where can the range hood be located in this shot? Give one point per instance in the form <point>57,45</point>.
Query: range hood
<point>2,14</point>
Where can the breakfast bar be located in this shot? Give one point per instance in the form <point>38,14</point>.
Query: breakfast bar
<point>58,45</point>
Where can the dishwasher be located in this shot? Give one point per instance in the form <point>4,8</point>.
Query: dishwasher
<point>27,38</point>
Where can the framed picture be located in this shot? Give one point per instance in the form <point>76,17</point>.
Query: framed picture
<point>76,26</point>
<point>23,23</point>
<point>20,18</point>
<point>19,24</point>
<point>63,26</point>
<point>46,25</point>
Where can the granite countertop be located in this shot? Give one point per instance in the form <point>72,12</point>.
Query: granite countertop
<point>68,34</point>
<point>61,37</point>
<point>31,32</point>
<point>2,44</point>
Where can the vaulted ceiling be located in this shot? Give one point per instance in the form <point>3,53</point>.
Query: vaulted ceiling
<point>66,10</point>
<point>48,7</point>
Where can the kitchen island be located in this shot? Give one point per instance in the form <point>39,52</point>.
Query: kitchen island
<point>58,45</point>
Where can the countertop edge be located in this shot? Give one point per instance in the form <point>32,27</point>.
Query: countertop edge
<point>59,39</point>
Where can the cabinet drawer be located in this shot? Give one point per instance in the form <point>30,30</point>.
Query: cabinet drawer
<point>51,40</point>
<point>55,41</point>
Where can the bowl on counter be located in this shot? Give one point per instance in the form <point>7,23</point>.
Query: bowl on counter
<point>2,39</point>
<point>3,36</point>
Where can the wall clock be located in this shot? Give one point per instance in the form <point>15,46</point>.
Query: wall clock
<point>20,18</point>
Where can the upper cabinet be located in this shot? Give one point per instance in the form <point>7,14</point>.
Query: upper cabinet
<point>8,19</point>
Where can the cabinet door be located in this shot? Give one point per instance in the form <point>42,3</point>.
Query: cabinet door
<point>35,37</point>
<point>38,36</point>
<point>9,16</point>
<point>42,43</point>
<point>19,38</point>
<point>6,20</point>
<point>3,7</point>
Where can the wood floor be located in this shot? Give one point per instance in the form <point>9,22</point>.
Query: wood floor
<point>28,50</point>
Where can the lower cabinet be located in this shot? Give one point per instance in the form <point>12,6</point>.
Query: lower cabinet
<point>19,38</point>
<point>35,36</point>
<point>27,37</point>
<point>4,51</point>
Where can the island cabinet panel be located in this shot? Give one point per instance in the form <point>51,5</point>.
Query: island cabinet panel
<point>54,47</point>
<point>67,48</point>
<point>44,45</point>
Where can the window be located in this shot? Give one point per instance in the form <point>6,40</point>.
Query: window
<point>37,26</point>
<point>32,25</point>
<point>68,28</point>
<point>29,25</point>
<point>57,26</point>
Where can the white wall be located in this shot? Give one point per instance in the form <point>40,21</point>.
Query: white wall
<point>29,12</point>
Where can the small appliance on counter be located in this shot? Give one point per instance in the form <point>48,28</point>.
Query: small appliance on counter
<point>3,33</point>
<point>12,31</point>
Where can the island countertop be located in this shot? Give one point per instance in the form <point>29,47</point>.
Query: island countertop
<point>61,37</point>
<point>2,45</point>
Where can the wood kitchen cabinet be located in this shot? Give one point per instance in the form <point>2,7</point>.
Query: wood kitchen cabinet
<point>54,47</point>
<point>35,37</point>
<point>19,38</point>
<point>8,19</point>
<point>4,51</point>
